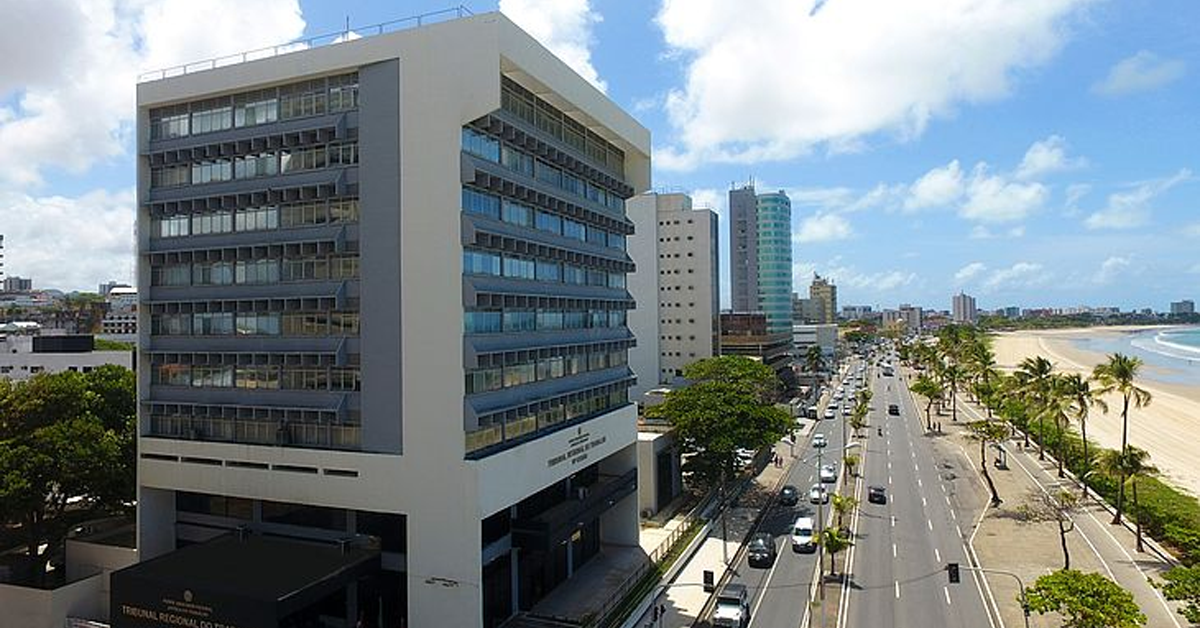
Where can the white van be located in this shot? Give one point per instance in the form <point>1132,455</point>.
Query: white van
<point>802,535</point>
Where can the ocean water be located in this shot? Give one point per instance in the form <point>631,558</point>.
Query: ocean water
<point>1173,353</point>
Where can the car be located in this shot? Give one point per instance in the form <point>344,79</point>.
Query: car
<point>745,457</point>
<point>760,551</point>
<point>818,495</point>
<point>789,495</point>
<point>803,535</point>
<point>828,473</point>
<point>876,495</point>
<point>847,410</point>
<point>819,440</point>
<point>733,607</point>
<point>837,396</point>
<point>830,413</point>
<point>893,409</point>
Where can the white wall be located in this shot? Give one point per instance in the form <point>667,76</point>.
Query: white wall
<point>642,247</point>
<point>27,607</point>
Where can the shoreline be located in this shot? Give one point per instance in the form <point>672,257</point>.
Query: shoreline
<point>1166,428</point>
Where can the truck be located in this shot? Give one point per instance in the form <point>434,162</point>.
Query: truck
<point>733,607</point>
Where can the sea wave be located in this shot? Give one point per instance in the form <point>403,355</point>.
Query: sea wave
<point>1163,345</point>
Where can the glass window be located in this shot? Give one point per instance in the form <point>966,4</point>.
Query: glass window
<point>255,108</point>
<point>169,122</point>
<point>574,230</point>
<point>308,98</point>
<point>520,320</point>
<point>303,214</point>
<point>616,241</point>
<point>518,214</point>
<point>257,219</point>
<point>304,515</point>
<point>212,323</point>
<point>344,380</point>
<point>343,92</point>
<point>482,322</point>
<point>516,160</point>
<point>343,154</point>
<point>548,174</point>
<point>216,222</point>
<point>519,268</point>
<point>616,280</point>
<point>250,166</point>
<point>548,271</point>
<point>211,171</point>
<point>172,375</point>
<point>212,117</point>
<point>213,274</point>
<point>171,226</point>
<point>549,222</point>
<point>171,176</point>
<point>344,210</point>
<point>597,236</point>
<point>549,320</point>
<point>343,323</point>
<point>480,144</point>
<point>475,202</point>
<point>481,263</point>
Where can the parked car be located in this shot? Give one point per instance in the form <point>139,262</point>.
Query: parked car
<point>803,535</point>
<point>789,495</point>
<point>818,495</point>
<point>828,473</point>
<point>830,413</point>
<point>893,409</point>
<point>761,550</point>
<point>847,410</point>
<point>819,440</point>
<point>876,495</point>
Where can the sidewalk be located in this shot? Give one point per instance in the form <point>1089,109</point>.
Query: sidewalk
<point>684,598</point>
<point>1004,540</point>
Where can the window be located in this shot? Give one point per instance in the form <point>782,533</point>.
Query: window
<point>264,377</point>
<point>255,108</point>
<point>343,154</point>
<point>475,202</point>
<point>617,241</point>
<point>518,214</point>
<point>303,214</point>
<point>215,505</point>
<point>171,275</point>
<point>303,515</point>
<point>217,222</point>
<point>171,325</point>
<point>482,322</point>
<point>597,236</point>
<point>549,222</point>
<point>519,374</point>
<point>257,219</point>
<point>548,174</point>
<point>343,92</point>
<point>171,226</point>
<point>306,324</point>
<point>250,166</point>
<point>212,274</point>
<point>516,160</point>
<point>257,272</point>
<point>211,171</point>
<point>170,176</point>
<point>519,268</point>
<point>214,116</point>
<point>519,320</point>
<point>480,144</point>
<point>616,280</point>
<point>305,269</point>
<point>299,100</point>
<point>344,267</point>
<point>344,379</point>
<point>548,271</point>
<point>212,377</point>
<point>574,275</point>
<point>574,230</point>
<point>300,159</point>
<point>168,123</point>
<point>481,263</point>
<point>171,375</point>
<point>548,320</point>
<point>264,324</point>
<point>212,324</point>
<point>343,323</point>
<point>345,210</point>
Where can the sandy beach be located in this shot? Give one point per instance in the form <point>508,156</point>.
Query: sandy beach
<point>1169,428</point>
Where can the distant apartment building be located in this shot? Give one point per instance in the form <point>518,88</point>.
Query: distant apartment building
<point>676,287</point>
<point>760,266</point>
<point>1011,311</point>
<point>13,283</point>
<point>822,336</point>
<point>823,293</point>
<point>964,311</point>
<point>804,310</point>
<point>383,334</point>
<point>1185,306</point>
<point>913,317</point>
<point>858,312</point>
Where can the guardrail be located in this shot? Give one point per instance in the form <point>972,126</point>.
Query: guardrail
<point>315,41</point>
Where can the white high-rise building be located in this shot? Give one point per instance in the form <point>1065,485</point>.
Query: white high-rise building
<point>964,309</point>
<point>383,372</point>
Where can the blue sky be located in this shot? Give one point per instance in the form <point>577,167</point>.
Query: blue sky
<point>1030,152</point>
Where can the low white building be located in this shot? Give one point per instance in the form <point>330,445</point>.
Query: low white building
<point>824,336</point>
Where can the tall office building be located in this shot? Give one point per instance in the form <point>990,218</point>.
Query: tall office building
<point>964,309</point>
<point>382,338</point>
<point>760,242</point>
<point>913,317</point>
<point>823,294</point>
<point>677,320</point>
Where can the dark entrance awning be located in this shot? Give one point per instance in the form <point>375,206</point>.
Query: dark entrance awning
<point>231,582</point>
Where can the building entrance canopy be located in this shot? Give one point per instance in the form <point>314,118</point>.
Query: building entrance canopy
<point>231,582</point>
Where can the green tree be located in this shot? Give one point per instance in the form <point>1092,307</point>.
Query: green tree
<point>1129,466</point>
<point>931,390</point>
<point>814,360</point>
<point>834,541</point>
<point>1085,600</point>
<point>1034,376</point>
<point>1182,584</point>
<point>727,407</point>
<point>843,505</point>
<point>851,461</point>
<point>988,432</point>
<point>1084,398</point>
<point>1118,375</point>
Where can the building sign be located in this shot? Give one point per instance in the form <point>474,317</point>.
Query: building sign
<point>183,611</point>
<point>577,449</point>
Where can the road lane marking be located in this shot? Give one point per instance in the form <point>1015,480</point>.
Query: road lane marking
<point>889,465</point>
<point>893,550</point>
<point>930,522</point>
<point>947,498</point>
<point>924,504</point>
<point>897,582</point>
<point>943,487</point>
<point>893,521</point>
<point>919,482</point>
<point>889,480</point>
<point>937,554</point>
<point>952,515</point>
<point>946,590</point>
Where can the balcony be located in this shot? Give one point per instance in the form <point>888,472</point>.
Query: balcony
<point>545,530</point>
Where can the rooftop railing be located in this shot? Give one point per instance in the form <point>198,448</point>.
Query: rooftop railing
<point>316,41</point>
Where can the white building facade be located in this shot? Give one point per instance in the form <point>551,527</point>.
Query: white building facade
<point>677,321</point>
<point>963,309</point>
<point>383,308</point>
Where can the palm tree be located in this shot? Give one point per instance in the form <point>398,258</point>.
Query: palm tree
<point>814,360</point>
<point>1034,377</point>
<point>987,432</point>
<point>1084,397</point>
<point>1058,408</point>
<point>834,541</point>
<point>843,505</point>
<point>1134,463</point>
<point>982,367</point>
<point>1117,375</point>
<point>953,375</point>
<point>931,390</point>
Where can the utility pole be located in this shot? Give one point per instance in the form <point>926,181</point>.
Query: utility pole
<point>724,529</point>
<point>820,530</point>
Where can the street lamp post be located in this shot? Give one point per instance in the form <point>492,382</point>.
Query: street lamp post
<point>1024,601</point>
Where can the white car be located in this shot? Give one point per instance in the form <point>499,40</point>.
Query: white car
<point>803,539</point>
<point>818,495</point>
<point>847,410</point>
<point>830,413</point>
<point>819,440</point>
<point>828,473</point>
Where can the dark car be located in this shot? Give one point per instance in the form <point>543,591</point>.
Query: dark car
<point>876,495</point>
<point>893,409</point>
<point>761,550</point>
<point>789,495</point>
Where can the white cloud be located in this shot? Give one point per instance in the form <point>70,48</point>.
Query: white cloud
<point>1111,269</point>
<point>564,27</point>
<point>1045,157</point>
<point>939,187</point>
<point>74,108</point>
<point>68,70</point>
<point>1075,193</point>
<point>997,199</point>
<point>824,227</point>
<point>1019,275</point>
<point>97,229</point>
<point>1131,208</point>
<point>1143,71</point>
<point>841,75</point>
<point>969,272</point>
